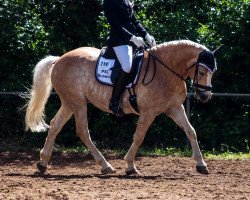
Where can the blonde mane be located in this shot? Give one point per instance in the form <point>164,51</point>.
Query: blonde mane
<point>180,43</point>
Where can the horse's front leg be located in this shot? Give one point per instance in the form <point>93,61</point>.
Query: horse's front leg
<point>179,116</point>
<point>141,129</point>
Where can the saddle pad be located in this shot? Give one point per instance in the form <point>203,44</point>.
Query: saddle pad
<point>104,70</point>
<point>107,69</point>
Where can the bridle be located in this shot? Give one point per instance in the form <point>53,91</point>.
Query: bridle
<point>195,85</point>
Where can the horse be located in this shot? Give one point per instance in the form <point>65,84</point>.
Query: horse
<point>165,69</point>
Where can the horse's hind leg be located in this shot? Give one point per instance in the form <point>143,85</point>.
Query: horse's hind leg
<point>56,125</point>
<point>179,116</point>
<point>83,132</point>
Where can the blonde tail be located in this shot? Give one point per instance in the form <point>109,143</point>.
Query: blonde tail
<point>39,94</point>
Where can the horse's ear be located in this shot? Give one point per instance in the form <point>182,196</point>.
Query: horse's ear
<point>215,52</point>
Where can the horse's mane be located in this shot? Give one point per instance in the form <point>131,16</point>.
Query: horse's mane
<point>180,43</point>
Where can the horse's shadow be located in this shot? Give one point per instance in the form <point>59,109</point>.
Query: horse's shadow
<point>88,176</point>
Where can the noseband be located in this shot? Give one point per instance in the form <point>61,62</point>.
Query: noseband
<point>196,86</point>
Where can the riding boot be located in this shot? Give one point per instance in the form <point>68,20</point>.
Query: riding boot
<point>118,89</point>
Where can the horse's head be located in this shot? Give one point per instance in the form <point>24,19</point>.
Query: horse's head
<point>205,68</point>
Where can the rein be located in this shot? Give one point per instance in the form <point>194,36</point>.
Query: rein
<point>163,64</point>
<point>196,64</point>
<point>154,58</point>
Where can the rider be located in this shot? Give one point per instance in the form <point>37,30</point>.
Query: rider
<point>125,28</point>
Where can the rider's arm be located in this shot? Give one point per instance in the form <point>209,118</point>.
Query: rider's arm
<point>139,28</point>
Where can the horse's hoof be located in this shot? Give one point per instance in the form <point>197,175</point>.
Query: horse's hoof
<point>133,172</point>
<point>108,170</point>
<point>41,168</point>
<point>202,169</point>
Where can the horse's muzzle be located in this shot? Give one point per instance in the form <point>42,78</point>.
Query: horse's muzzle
<point>203,96</point>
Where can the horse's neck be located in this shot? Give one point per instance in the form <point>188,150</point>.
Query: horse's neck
<point>177,58</point>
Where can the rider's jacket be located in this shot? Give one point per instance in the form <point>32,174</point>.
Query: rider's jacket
<point>124,25</point>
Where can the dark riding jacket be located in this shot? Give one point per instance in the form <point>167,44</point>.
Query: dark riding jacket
<point>124,25</point>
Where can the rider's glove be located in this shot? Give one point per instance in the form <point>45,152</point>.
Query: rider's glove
<point>138,41</point>
<point>151,41</point>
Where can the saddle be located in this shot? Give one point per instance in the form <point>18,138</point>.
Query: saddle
<point>108,67</point>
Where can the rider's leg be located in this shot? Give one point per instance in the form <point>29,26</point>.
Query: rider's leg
<point>124,55</point>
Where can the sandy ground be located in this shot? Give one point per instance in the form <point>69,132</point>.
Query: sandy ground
<point>76,176</point>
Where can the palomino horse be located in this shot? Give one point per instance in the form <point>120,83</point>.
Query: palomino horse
<point>73,78</point>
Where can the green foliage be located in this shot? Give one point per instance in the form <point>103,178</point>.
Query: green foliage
<point>70,24</point>
<point>22,36</point>
<point>222,122</point>
<point>32,29</point>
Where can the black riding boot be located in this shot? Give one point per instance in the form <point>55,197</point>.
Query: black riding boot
<point>118,89</point>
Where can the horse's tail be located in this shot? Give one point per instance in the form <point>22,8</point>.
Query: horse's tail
<point>39,94</point>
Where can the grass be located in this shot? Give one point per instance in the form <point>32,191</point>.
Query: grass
<point>227,155</point>
<point>175,152</point>
<point>188,153</point>
<point>164,152</point>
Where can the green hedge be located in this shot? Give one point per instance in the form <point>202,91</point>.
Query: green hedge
<point>32,29</point>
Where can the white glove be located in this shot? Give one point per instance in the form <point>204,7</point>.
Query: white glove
<point>138,41</point>
<point>151,41</point>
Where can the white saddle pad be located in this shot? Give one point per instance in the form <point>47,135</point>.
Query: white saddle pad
<point>103,70</point>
